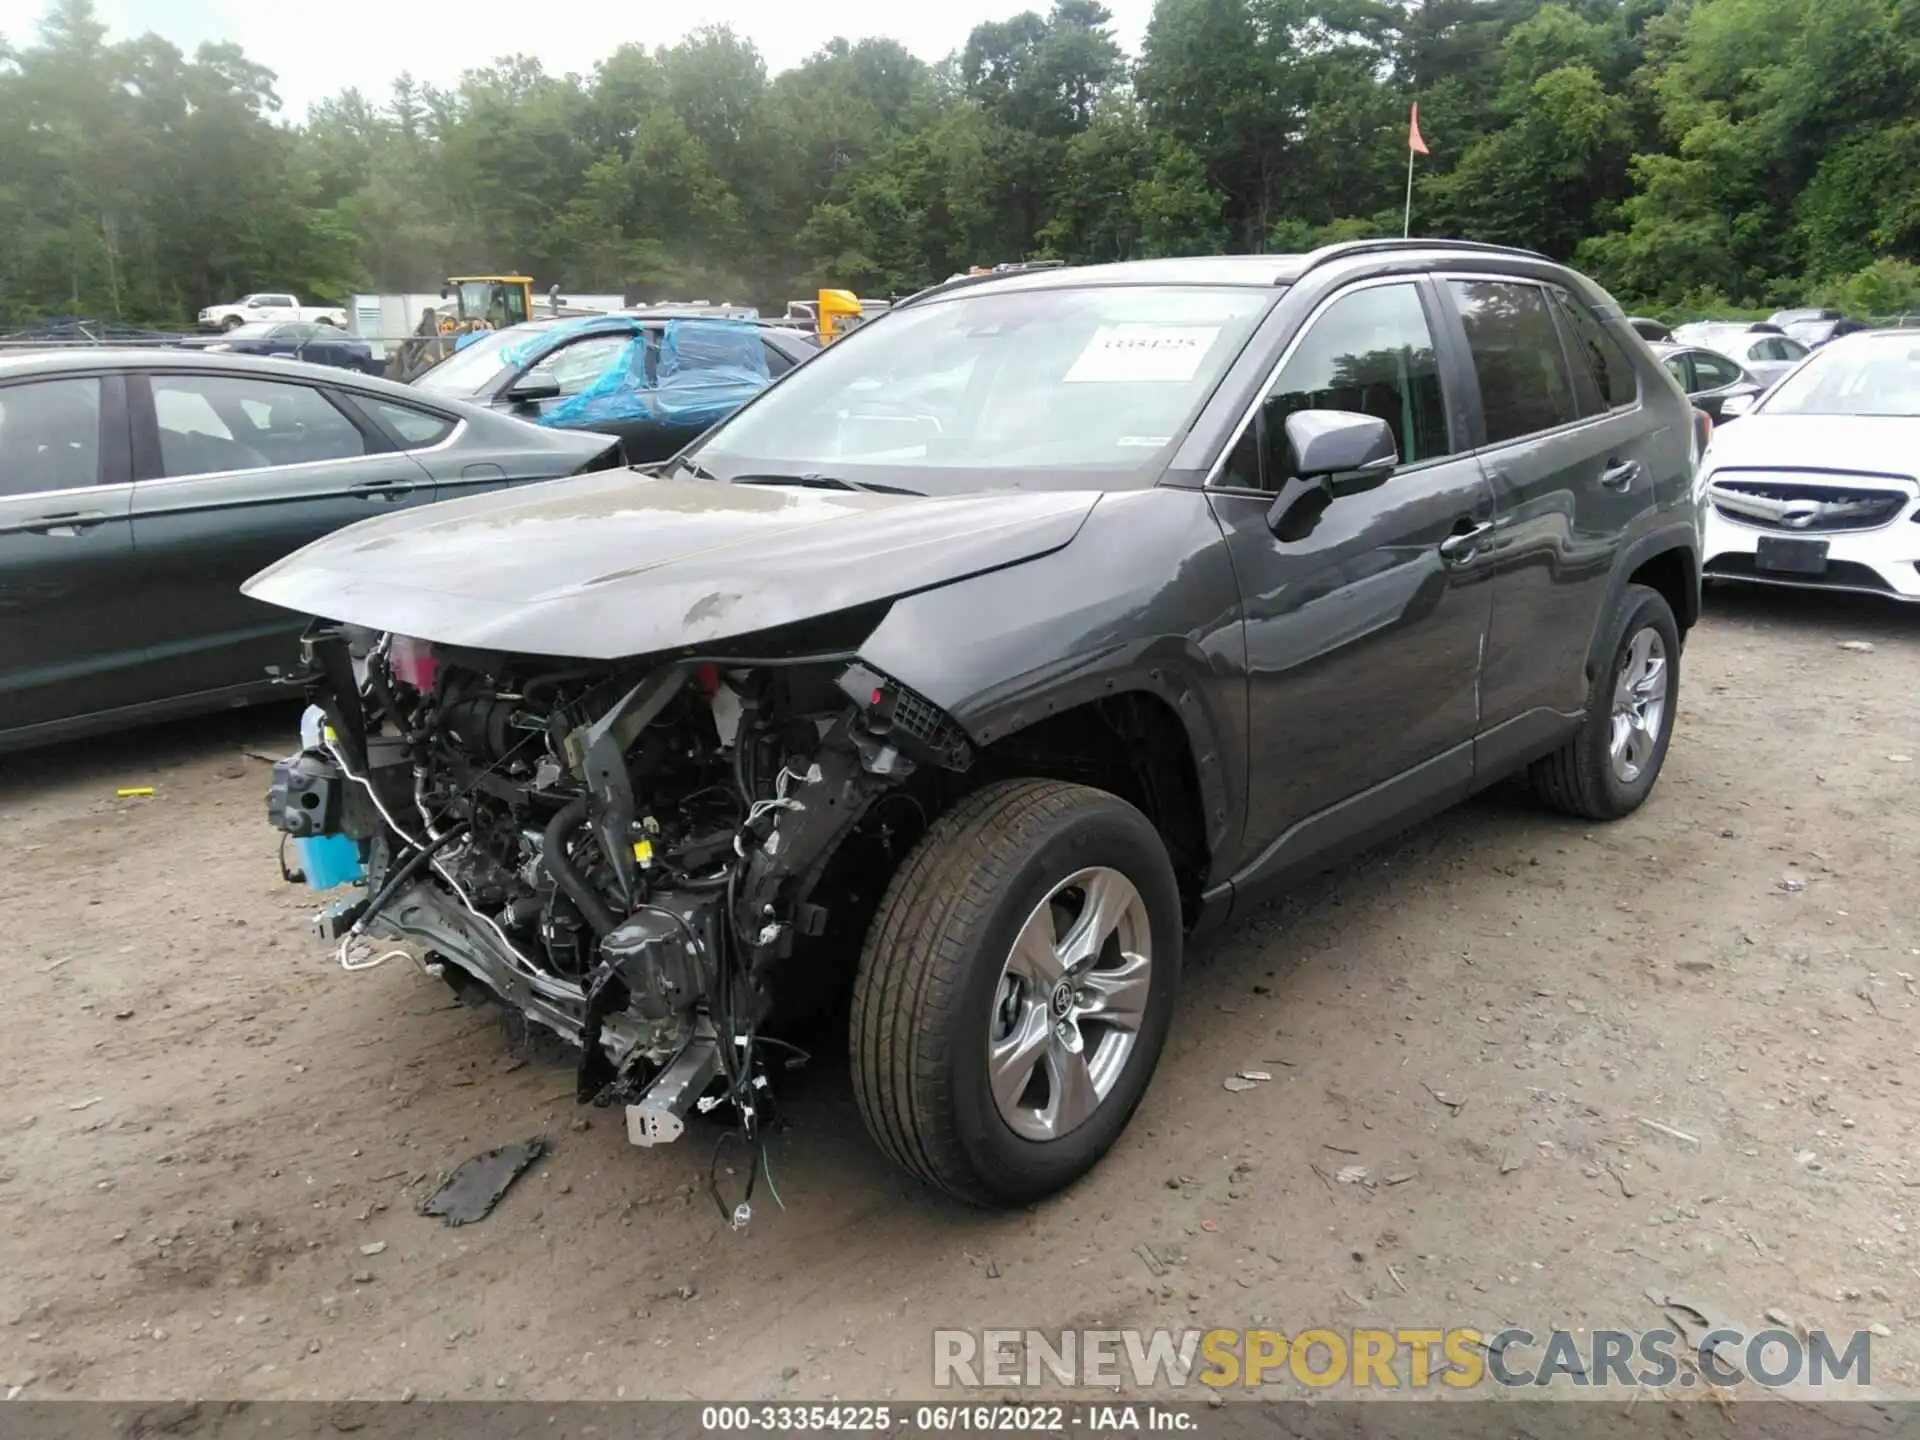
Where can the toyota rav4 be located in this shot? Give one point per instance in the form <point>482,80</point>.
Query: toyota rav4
<point>967,673</point>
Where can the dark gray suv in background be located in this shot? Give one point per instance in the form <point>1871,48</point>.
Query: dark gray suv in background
<point>995,651</point>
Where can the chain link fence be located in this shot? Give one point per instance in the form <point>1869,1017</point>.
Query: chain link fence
<point>397,357</point>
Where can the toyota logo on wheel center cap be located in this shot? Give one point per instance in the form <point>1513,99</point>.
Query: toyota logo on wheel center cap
<point>1061,1002</point>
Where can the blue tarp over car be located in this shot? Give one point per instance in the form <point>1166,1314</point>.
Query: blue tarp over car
<point>693,372</point>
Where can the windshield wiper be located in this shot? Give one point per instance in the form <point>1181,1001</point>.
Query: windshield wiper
<point>695,469</point>
<point>824,482</point>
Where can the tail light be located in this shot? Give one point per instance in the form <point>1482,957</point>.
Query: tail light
<point>1702,433</point>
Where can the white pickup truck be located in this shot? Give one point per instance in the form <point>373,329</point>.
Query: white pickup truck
<point>268,305</point>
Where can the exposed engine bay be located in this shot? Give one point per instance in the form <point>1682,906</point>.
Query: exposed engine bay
<point>661,861</point>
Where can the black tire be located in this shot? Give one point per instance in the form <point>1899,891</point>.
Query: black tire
<point>1579,778</point>
<point>924,996</point>
<point>232,322</point>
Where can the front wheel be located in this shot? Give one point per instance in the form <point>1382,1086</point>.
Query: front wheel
<point>1015,990</point>
<point>1608,768</point>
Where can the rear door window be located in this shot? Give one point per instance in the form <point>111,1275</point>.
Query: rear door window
<point>1712,371</point>
<point>1525,384</point>
<point>49,435</point>
<point>213,423</point>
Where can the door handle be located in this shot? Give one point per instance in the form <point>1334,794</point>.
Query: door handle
<point>381,489</point>
<point>1620,476</point>
<point>67,522</point>
<point>1462,545</point>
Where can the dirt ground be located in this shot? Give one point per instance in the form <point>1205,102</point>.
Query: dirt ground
<point>208,1125</point>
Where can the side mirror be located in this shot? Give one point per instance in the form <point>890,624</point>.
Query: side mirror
<point>1734,405</point>
<point>1351,452</point>
<point>529,389</point>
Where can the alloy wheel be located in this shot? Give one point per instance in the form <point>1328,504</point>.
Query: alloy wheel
<point>1069,1005</point>
<point>1639,705</point>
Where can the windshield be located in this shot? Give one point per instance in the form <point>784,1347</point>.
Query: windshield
<point>1855,376</point>
<point>1067,388</point>
<point>253,330</point>
<point>464,371</point>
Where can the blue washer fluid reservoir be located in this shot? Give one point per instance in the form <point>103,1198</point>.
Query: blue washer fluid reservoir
<point>329,861</point>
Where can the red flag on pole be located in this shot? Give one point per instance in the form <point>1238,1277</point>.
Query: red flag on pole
<point>1414,142</point>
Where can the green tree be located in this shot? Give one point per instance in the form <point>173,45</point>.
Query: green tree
<point>1693,153</point>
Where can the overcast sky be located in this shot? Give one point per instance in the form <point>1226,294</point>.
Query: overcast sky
<point>319,47</point>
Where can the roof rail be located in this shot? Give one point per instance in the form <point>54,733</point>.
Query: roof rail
<point>1341,250</point>
<point>961,282</point>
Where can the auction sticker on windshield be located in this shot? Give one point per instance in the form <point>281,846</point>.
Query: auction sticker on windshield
<point>1119,354</point>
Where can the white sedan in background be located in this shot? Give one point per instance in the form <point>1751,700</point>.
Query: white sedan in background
<point>1818,483</point>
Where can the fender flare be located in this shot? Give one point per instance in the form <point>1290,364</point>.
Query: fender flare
<point>1679,535</point>
<point>1169,668</point>
<point>1142,601</point>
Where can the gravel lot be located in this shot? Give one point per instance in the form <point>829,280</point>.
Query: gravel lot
<point>215,1139</point>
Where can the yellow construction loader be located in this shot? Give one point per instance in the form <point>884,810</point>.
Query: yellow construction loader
<point>490,301</point>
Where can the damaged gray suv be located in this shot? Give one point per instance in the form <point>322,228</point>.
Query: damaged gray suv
<point>968,672</point>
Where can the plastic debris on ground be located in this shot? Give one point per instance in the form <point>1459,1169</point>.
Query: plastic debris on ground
<point>476,1186</point>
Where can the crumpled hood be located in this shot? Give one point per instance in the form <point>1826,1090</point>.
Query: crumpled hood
<point>614,564</point>
<point>1851,444</point>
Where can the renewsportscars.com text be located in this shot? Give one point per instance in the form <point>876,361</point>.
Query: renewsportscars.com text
<point>1400,1359</point>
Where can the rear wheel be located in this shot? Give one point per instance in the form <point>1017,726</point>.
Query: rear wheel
<point>1015,990</point>
<point>1609,767</point>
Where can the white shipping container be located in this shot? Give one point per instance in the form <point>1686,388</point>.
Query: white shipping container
<point>381,318</point>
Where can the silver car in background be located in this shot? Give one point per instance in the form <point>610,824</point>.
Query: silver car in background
<point>1764,351</point>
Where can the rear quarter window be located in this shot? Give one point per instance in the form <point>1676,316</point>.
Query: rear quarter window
<point>1525,385</point>
<point>1612,369</point>
<point>416,429</point>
